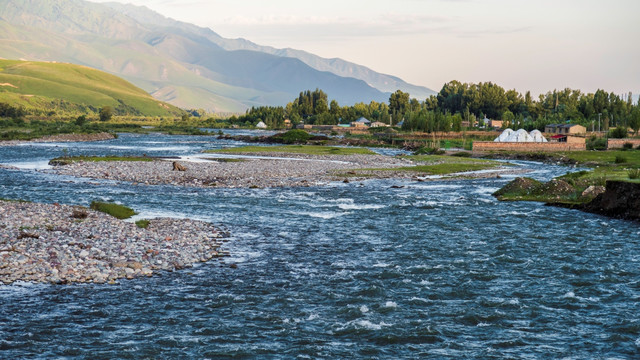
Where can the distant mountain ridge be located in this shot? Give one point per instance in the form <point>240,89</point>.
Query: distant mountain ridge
<point>185,65</point>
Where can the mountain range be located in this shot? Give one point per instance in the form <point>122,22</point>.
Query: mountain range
<point>180,63</point>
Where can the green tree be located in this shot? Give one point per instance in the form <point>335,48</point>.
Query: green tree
<point>81,120</point>
<point>106,113</point>
<point>398,104</point>
<point>634,121</point>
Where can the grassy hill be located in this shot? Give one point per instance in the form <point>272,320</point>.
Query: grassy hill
<point>43,87</point>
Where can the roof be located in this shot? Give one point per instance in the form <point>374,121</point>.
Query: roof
<point>558,136</point>
<point>363,120</point>
<point>564,126</point>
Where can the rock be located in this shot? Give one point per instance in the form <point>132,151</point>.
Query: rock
<point>593,191</point>
<point>178,167</point>
<point>621,199</point>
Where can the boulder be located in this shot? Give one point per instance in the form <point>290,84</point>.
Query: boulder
<point>178,167</point>
<point>620,200</point>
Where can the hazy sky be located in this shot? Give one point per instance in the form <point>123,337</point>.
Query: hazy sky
<point>527,45</point>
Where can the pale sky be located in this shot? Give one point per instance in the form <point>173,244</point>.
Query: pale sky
<point>527,45</point>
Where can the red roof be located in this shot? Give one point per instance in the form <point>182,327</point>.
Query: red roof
<point>558,136</point>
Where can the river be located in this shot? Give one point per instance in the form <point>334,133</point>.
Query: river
<point>432,270</point>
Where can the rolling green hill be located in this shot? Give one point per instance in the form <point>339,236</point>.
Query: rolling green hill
<point>42,87</point>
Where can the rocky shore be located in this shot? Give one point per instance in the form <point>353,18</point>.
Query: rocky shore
<point>63,138</point>
<point>51,243</point>
<point>274,170</point>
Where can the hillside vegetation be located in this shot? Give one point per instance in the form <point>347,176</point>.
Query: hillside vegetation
<point>47,88</point>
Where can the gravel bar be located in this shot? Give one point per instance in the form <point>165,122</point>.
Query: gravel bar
<point>51,243</point>
<point>298,170</point>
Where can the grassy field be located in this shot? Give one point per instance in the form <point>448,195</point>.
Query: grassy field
<point>295,149</point>
<point>68,88</point>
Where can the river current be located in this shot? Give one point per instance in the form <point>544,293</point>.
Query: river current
<point>431,270</point>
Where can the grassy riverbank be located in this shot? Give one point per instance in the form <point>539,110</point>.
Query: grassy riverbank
<point>295,149</point>
<point>578,187</point>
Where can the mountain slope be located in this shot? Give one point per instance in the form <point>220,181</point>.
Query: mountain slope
<point>382,82</point>
<point>67,87</point>
<point>179,63</point>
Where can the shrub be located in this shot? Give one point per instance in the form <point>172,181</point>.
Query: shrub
<point>295,136</point>
<point>618,133</point>
<point>79,214</point>
<point>634,173</point>
<point>620,159</point>
<point>142,224</point>
<point>627,146</point>
<point>115,210</point>
<point>595,143</point>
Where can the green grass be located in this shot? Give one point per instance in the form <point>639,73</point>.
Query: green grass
<point>296,149</point>
<point>603,158</point>
<point>71,159</point>
<point>65,88</point>
<point>446,168</point>
<point>115,210</point>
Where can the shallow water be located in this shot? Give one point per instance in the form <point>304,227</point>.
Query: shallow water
<point>432,270</point>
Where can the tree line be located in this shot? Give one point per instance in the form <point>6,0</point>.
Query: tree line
<point>457,106</point>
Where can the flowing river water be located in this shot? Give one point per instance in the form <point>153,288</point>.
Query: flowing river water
<point>362,270</point>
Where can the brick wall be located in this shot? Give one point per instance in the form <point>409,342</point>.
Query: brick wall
<point>618,143</point>
<point>526,147</point>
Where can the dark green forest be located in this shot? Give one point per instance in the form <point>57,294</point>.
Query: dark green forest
<point>460,106</point>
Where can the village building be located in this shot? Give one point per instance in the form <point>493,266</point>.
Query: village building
<point>494,124</point>
<point>362,122</point>
<point>378,124</point>
<point>567,129</point>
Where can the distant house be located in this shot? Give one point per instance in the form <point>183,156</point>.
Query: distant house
<point>261,125</point>
<point>378,124</point>
<point>494,124</point>
<point>400,123</point>
<point>364,120</point>
<point>566,129</point>
<point>287,123</point>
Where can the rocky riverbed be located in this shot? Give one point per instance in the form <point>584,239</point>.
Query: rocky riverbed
<point>51,243</point>
<point>62,138</point>
<point>272,170</point>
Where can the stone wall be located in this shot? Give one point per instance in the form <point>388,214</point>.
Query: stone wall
<point>618,143</point>
<point>527,147</point>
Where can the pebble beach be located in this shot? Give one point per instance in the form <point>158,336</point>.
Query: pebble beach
<point>52,243</point>
<point>274,170</point>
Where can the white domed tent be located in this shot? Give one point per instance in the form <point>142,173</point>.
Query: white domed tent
<point>261,125</point>
<point>520,136</point>
<point>537,136</point>
<point>504,136</point>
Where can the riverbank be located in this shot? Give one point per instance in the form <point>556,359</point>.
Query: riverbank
<point>268,169</point>
<point>51,243</point>
<point>63,138</point>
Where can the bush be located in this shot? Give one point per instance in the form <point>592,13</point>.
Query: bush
<point>79,214</point>
<point>618,133</point>
<point>620,159</point>
<point>634,174</point>
<point>627,146</point>
<point>295,136</point>
<point>115,210</point>
<point>595,143</point>
<point>142,224</point>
